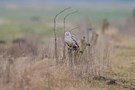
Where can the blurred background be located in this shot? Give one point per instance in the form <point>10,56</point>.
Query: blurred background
<point>24,17</point>
<point>27,45</point>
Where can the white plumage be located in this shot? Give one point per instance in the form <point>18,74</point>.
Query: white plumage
<point>71,41</point>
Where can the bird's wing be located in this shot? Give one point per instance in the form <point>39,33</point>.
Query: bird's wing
<point>74,39</point>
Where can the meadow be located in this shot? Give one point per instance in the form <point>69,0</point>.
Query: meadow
<point>31,65</point>
<point>21,19</point>
<point>48,13</point>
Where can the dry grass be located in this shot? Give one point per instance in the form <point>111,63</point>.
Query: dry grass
<point>30,67</point>
<point>124,57</point>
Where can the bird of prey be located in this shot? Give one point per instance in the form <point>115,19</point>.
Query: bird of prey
<point>71,41</point>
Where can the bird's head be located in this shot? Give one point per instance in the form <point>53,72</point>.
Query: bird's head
<point>67,34</point>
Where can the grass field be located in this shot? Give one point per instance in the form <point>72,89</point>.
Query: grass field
<point>31,65</point>
<point>96,15</point>
<point>20,16</point>
<point>10,31</point>
<point>125,56</point>
<point>34,73</point>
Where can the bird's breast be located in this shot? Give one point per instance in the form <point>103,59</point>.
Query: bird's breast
<point>68,40</point>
